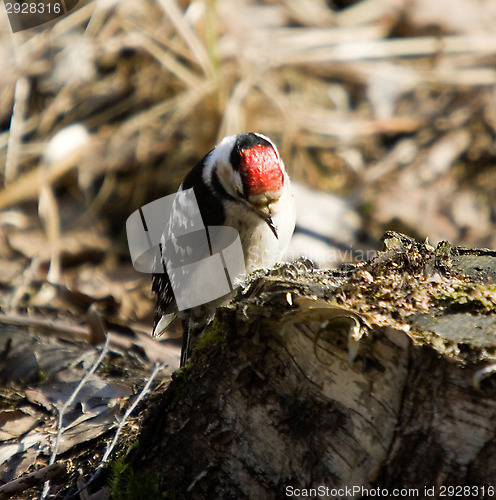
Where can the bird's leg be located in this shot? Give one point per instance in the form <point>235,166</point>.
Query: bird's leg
<point>186,343</point>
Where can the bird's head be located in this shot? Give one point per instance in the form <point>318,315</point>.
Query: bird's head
<point>251,171</point>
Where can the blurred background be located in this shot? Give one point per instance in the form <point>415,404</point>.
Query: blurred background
<point>384,112</point>
<point>386,107</point>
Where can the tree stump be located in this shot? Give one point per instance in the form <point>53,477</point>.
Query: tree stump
<point>339,384</point>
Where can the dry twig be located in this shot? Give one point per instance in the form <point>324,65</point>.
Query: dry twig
<point>67,404</point>
<point>111,446</point>
<point>35,478</point>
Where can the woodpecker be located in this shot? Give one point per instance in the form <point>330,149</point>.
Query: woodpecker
<point>240,184</point>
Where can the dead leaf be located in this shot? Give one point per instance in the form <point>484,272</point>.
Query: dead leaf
<point>14,423</point>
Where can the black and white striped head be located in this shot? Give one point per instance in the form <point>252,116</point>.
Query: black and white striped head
<point>250,170</point>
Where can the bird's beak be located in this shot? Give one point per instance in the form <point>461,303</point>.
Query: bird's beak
<point>261,206</point>
<point>269,222</point>
<point>264,213</point>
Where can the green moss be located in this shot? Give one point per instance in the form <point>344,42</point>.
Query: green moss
<point>43,376</point>
<point>479,297</point>
<point>179,384</point>
<point>443,249</point>
<point>126,484</point>
<point>213,336</point>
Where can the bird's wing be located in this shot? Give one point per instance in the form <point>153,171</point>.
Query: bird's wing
<point>165,307</point>
<point>184,242</point>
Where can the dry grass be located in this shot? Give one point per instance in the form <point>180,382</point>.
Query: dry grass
<point>157,85</point>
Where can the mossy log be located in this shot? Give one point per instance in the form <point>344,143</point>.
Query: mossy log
<point>374,378</point>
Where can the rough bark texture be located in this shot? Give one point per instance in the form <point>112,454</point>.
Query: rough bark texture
<point>313,378</point>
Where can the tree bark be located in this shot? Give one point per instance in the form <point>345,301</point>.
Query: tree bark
<point>343,381</point>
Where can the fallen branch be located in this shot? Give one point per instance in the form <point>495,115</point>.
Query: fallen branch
<point>33,479</point>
